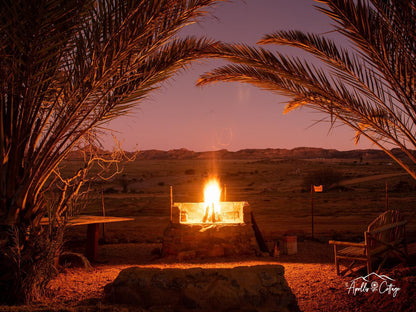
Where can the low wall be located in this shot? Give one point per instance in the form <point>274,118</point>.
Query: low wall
<point>255,288</point>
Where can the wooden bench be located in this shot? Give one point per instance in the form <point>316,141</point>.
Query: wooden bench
<point>385,237</point>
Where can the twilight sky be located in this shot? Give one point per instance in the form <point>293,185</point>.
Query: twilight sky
<point>232,116</point>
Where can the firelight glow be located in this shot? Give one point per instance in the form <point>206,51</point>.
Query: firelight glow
<point>212,195</point>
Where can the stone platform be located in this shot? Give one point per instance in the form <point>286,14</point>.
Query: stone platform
<point>246,288</point>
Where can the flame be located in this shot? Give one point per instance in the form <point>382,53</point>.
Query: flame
<point>212,192</point>
<point>212,195</point>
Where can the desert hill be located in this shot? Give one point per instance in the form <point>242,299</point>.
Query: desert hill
<point>268,153</point>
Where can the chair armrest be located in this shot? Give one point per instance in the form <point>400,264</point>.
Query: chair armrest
<point>351,244</point>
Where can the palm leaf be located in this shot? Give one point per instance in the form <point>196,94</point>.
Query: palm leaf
<point>69,66</point>
<point>370,88</point>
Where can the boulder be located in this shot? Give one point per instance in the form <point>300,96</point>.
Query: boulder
<point>255,288</point>
<point>186,255</point>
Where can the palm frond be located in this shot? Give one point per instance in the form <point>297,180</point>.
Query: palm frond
<point>371,89</point>
<point>68,66</point>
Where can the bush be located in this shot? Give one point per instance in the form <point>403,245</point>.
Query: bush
<point>27,269</point>
<point>190,171</point>
<point>124,182</point>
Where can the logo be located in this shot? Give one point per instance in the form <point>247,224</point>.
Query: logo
<point>373,283</point>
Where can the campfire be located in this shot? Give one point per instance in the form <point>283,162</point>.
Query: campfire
<point>212,195</point>
<point>212,210</point>
<point>214,227</point>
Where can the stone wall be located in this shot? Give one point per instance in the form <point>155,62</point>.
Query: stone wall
<point>209,241</point>
<point>255,289</point>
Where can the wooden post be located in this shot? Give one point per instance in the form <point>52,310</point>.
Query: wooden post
<point>102,203</point>
<point>312,209</point>
<point>225,192</point>
<point>258,235</point>
<point>92,241</point>
<point>171,202</point>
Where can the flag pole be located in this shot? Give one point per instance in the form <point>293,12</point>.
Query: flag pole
<point>171,202</point>
<point>312,209</point>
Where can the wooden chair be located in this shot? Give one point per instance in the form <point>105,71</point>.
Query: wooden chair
<point>385,237</point>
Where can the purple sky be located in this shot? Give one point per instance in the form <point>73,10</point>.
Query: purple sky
<point>233,116</point>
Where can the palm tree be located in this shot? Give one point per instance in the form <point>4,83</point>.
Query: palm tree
<point>370,88</point>
<point>67,67</point>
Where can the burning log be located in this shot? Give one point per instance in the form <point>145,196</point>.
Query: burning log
<point>205,218</point>
<point>210,215</point>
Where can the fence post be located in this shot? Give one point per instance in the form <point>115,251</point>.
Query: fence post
<point>171,202</point>
<point>312,209</point>
<point>103,207</point>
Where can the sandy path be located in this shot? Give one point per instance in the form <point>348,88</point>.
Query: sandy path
<point>370,178</point>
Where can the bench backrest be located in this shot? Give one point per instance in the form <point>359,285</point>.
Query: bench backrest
<point>389,227</point>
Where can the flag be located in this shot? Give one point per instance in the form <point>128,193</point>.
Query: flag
<point>318,188</point>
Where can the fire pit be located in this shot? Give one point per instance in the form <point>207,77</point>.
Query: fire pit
<point>211,228</point>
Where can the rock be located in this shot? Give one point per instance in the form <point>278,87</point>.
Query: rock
<point>264,254</point>
<point>186,255</point>
<point>73,259</point>
<point>255,288</point>
<point>216,251</point>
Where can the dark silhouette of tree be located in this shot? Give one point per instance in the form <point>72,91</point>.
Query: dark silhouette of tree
<point>66,68</point>
<point>370,88</point>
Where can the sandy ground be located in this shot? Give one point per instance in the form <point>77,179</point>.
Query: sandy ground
<point>310,274</point>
